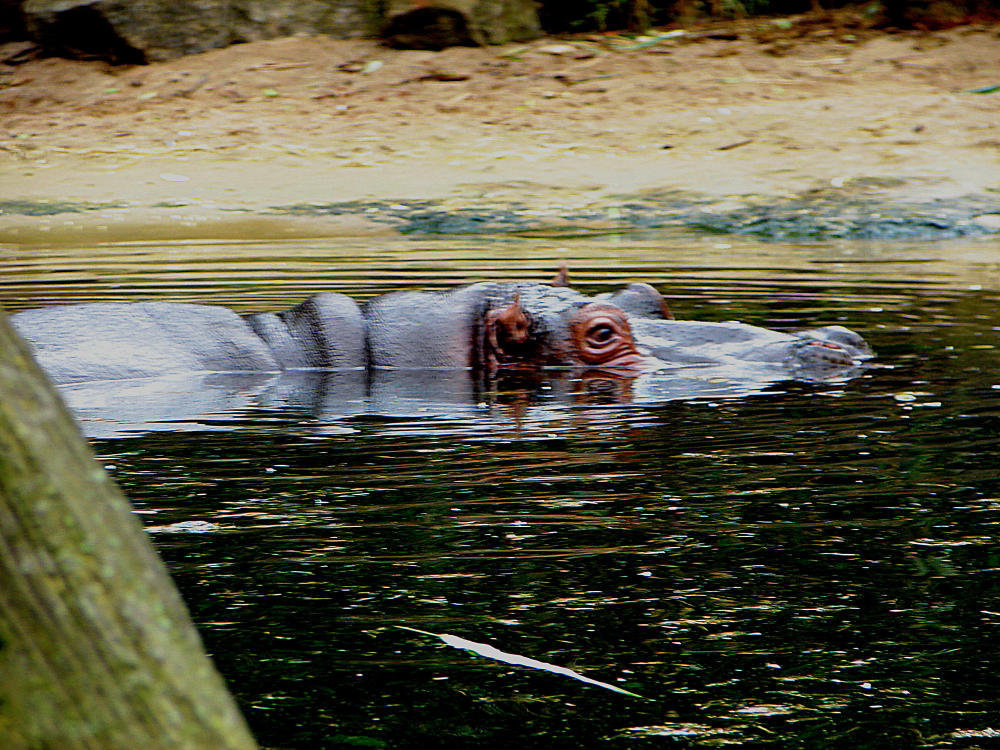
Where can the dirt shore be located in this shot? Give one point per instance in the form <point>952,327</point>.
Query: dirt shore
<point>727,118</point>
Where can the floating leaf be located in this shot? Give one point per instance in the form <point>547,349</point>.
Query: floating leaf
<point>490,652</point>
<point>270,92</point>
<point>985,90</point>
<point>189,527</point>
<point>371,66</point>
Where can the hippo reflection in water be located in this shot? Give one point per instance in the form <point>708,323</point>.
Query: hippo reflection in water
<point>626,342</point>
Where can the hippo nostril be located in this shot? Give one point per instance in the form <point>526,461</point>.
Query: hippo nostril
<point>825,354</point>
<point>826,344</point>
<point>517,334</point>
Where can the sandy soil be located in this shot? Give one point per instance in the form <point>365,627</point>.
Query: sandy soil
<point>759,107</point>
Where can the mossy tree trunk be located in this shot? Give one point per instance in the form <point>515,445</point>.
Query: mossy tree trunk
<point>96,647</point>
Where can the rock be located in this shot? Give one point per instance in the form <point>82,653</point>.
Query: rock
<point>429,28</point>
<point>419,24</point>
<point>341,19</point>
<point>132,31</point>
<point>136,31</point>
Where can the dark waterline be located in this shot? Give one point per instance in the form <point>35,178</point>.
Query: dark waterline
<point>813,566</point>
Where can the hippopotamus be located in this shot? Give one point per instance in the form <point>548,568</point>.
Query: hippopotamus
<point>486,329</point>
<point>129,367</point>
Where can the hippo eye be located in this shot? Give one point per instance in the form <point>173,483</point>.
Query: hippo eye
<point>601,334</point>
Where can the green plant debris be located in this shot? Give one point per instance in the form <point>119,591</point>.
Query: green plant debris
<point>51,208</point>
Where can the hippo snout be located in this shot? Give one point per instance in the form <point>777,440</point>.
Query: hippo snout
<point>817,355</point>
<point>850,341</point>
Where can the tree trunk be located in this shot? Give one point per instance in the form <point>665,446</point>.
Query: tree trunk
<point>96,647</point>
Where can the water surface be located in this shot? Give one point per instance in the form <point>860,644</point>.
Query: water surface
<point>807,566</point>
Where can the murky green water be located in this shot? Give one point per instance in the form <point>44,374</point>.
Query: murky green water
<point>814,566</point>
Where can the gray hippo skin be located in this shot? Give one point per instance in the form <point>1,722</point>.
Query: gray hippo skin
<point>486,328</point>
<point>122,340</point>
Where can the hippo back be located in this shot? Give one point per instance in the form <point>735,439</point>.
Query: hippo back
<point>113,340</point>
<point>426,329</point>
<point>326,331</point>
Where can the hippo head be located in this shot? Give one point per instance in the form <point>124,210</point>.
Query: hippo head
<point>531,326</point>
<point>522,327</point>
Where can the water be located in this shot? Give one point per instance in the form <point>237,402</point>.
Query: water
<point>811,566</point>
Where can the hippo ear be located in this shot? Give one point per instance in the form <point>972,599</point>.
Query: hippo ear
<point>640,299</point>
<point>666,310</point>
<point>562,276</point>
<point>507,330</point>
